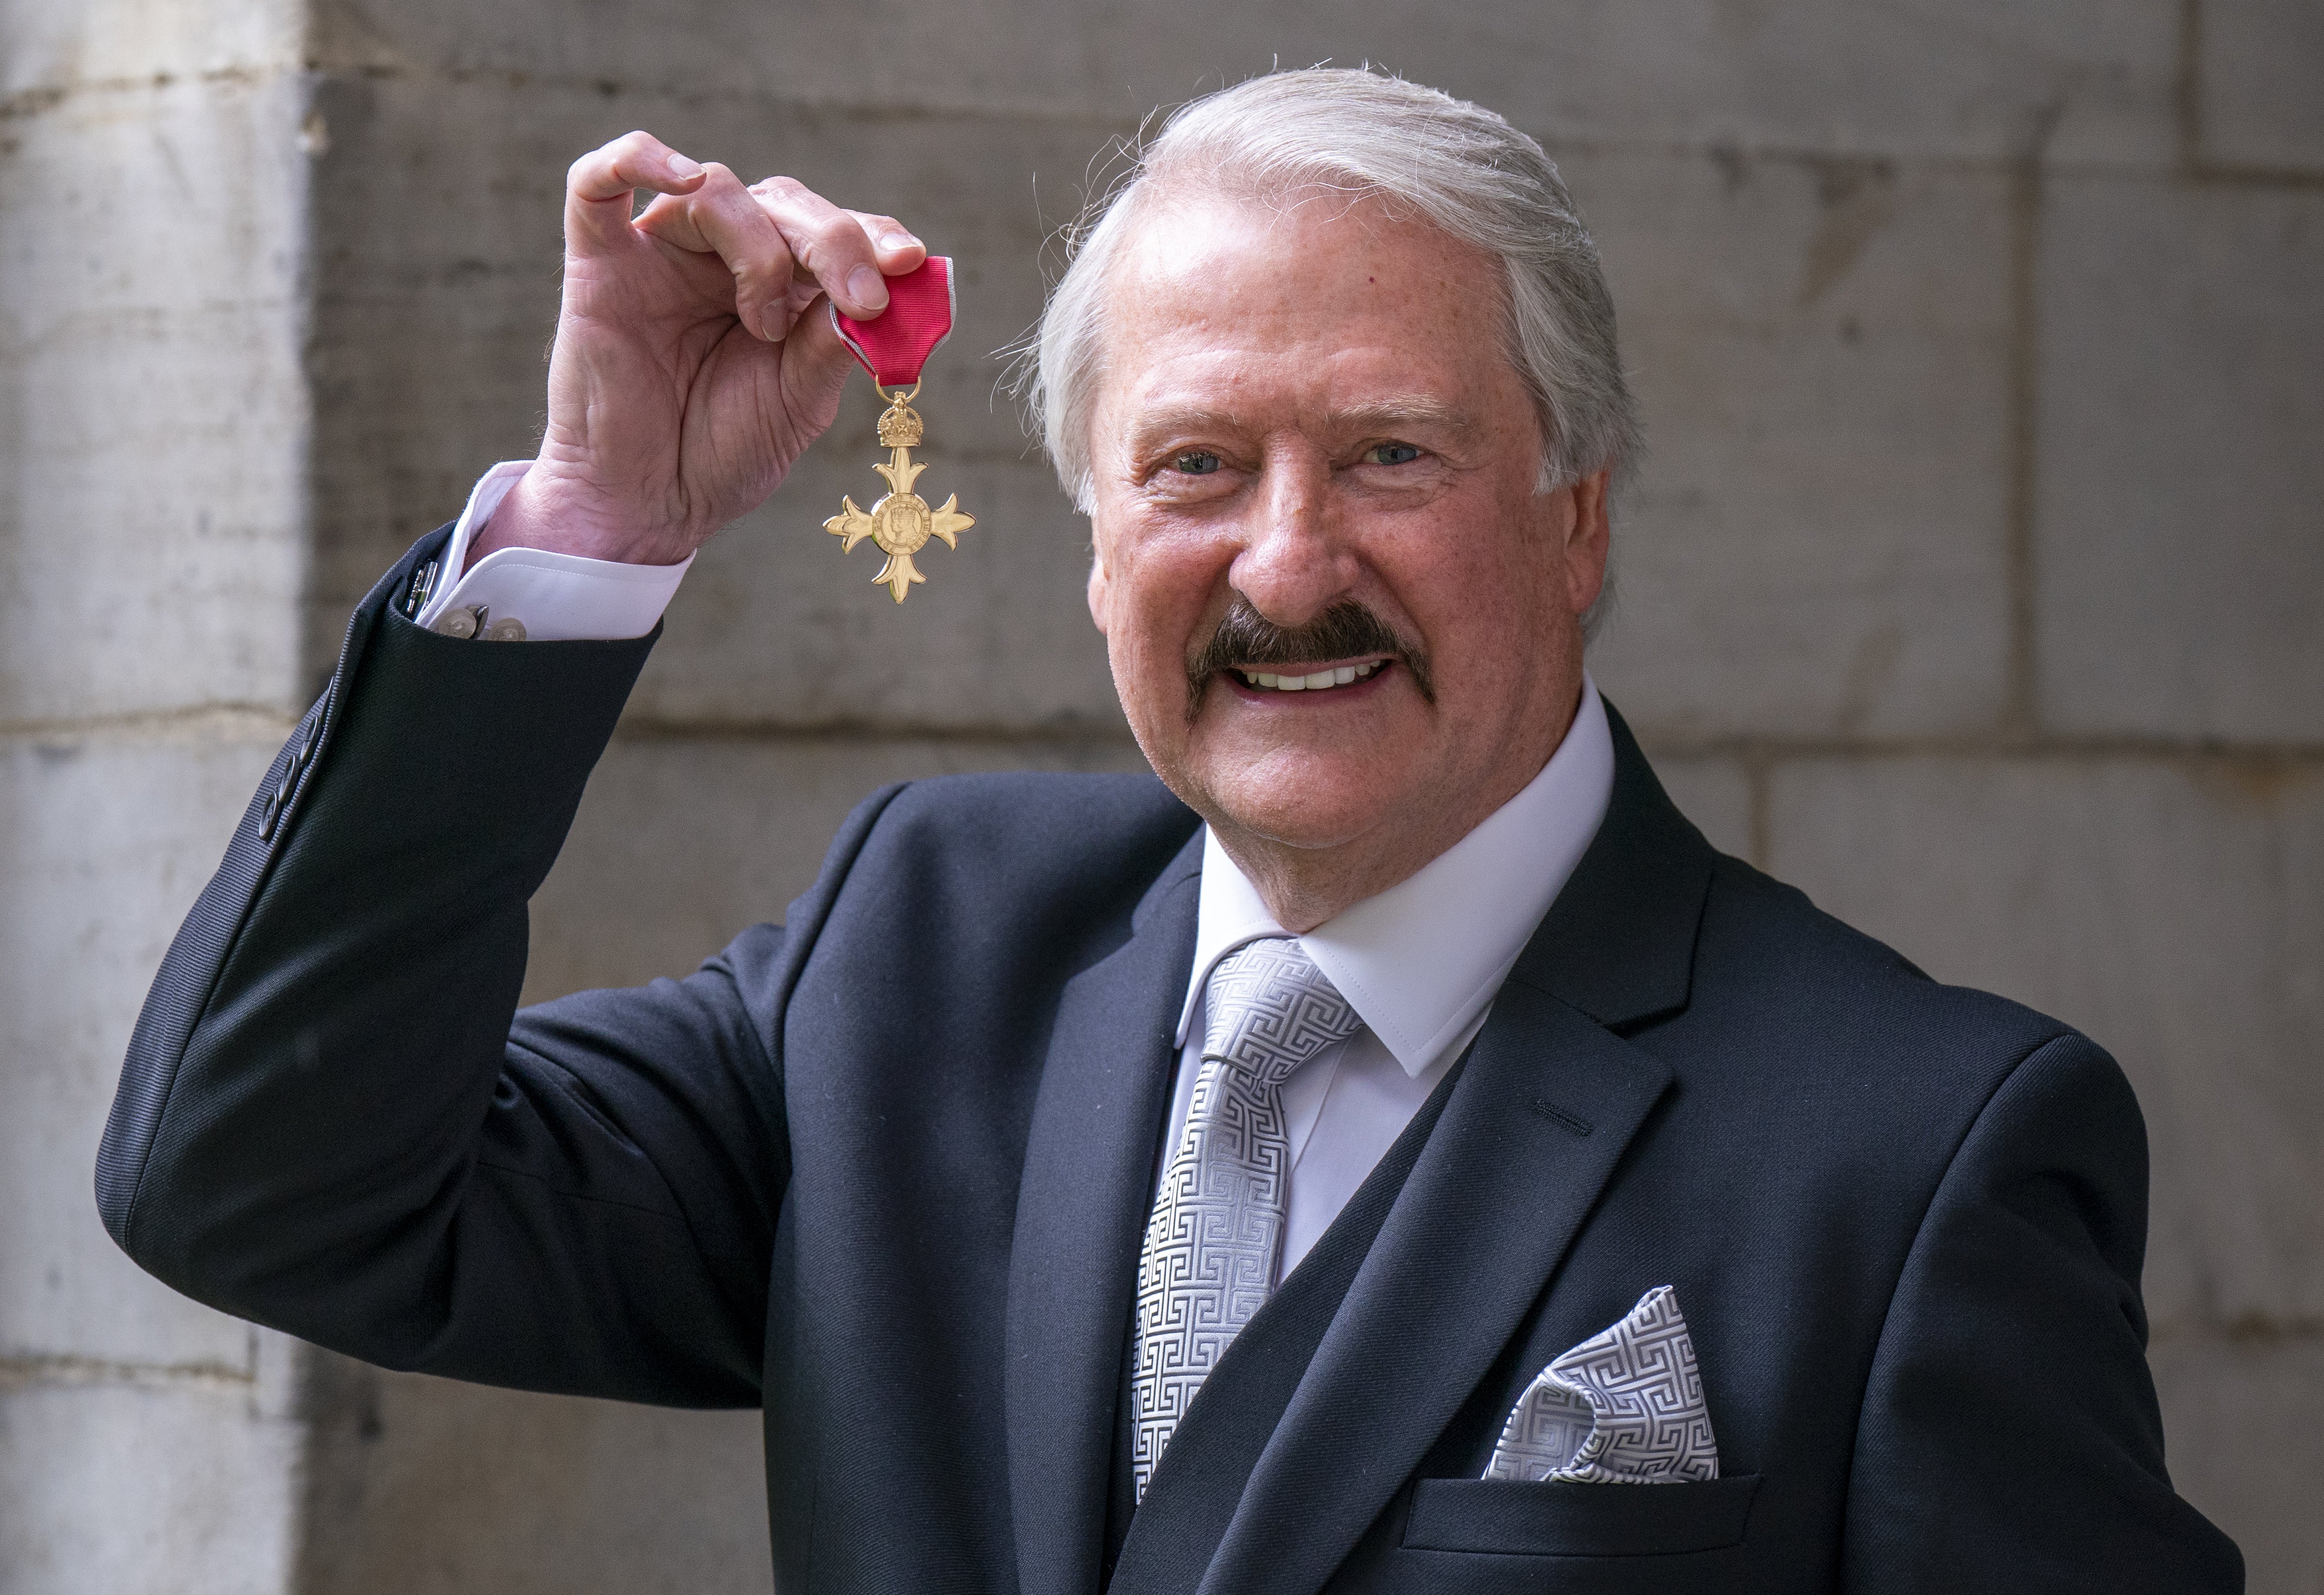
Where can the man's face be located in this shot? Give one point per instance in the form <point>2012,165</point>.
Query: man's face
<point>1310,426</point>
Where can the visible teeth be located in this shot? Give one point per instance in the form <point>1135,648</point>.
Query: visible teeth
<point>1340,676</point>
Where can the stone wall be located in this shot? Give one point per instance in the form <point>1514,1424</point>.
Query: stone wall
<point>153,541</point>
<point>1972,584</point>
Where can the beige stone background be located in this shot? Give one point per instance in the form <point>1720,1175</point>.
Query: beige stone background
<point>1972,583</point>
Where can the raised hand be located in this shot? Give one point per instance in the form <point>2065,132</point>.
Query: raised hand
<point>688,374</point>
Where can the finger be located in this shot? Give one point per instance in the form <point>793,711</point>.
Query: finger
<point>598,186</point>
<point>829,242</point>
<point>721,217</point>
<point>891,241</point>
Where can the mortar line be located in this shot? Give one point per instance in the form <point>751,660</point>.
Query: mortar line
<point>35,98</point>
<point>657,729</point>
<point>2187,86</point>
<point>2020,688</point>
<point>2122,749</point>
<point>254,720</point>
<point>2246,1329</point>
<point>1758,773</point>
<point>2230,174</point>
<point>66,1370</point>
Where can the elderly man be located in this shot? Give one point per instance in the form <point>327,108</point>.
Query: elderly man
<point>1393,1151</point>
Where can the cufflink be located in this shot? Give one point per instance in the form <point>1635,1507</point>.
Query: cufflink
<point>476,621</point>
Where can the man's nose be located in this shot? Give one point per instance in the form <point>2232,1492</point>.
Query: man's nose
<point>1294,562</point>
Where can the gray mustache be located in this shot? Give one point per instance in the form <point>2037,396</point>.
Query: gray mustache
<point>1246,637</point>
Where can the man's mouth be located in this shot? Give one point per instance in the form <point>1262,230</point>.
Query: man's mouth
<point>1314,681</point>
<point>1252,655</point>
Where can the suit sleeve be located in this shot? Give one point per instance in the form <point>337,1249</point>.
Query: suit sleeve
<point>333,1119</point>
<point>2010,1437</point>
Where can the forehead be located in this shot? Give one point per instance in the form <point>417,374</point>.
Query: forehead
<point>1317,299</point>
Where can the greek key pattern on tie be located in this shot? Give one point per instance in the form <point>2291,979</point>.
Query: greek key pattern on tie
<point>1217,1227</point>
<point>1625,1406</point>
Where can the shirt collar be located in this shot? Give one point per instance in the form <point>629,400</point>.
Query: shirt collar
<point>1420,962</point>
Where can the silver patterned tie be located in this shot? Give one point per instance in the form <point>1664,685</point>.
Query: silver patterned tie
<point>1217,1228</point>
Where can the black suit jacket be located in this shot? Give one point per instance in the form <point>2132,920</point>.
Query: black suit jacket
<point>884,1169</point>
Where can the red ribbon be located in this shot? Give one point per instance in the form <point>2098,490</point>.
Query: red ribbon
<point>918,319</point>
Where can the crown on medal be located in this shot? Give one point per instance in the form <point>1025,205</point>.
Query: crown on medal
<point>900,426</point>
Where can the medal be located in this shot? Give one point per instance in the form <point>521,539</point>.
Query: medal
<point>894,349</point>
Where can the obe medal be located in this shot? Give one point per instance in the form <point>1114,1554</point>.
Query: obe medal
<point>893,349</point>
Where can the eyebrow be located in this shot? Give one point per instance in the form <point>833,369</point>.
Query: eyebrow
<point>1382,415</point>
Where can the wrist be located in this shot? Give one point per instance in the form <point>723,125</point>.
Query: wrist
<point>545,511</point>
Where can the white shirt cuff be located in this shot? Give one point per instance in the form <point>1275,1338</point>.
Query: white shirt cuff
<point>558,597</point>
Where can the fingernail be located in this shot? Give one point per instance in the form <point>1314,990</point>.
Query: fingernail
<point>771,321</point>
<point>682,169</point>
<point>897,241</point>
<point>865,287</point>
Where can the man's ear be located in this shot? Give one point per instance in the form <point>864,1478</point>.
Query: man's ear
<point>1588,535</point>
<point>1097,586</point>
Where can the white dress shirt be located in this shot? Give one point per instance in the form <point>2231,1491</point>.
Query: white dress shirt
<point>1420,962</point>
<point>558,597</point>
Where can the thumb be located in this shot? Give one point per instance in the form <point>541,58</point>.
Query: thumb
<point>815,363</point>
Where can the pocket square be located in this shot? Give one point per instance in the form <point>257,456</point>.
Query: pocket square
<point>1625,1406</point>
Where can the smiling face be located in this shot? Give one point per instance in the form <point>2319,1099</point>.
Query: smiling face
<point>1343,624</point>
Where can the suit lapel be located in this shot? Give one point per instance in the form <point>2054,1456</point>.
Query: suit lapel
<point>1530,1135</point>
<point>1081,1214</point>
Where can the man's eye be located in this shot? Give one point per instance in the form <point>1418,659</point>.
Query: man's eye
<point>1391,454</point>
<point>1196,463</point>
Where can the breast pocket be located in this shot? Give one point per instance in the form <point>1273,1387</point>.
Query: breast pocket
<point>1497,1516</point>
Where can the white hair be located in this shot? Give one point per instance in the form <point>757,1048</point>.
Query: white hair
<point>1364,135</point>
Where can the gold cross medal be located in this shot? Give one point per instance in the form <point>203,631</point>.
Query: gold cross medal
<point>894,349</point>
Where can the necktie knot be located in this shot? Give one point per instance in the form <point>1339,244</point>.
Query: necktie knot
<point>1269,1009</point>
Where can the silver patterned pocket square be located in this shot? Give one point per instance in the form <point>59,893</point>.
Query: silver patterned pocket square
<point>1625,1406</point>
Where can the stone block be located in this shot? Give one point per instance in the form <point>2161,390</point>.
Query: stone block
<point>697,838</point>
<point>2180,545</point>
<point>419,1486</point>
<point>2262,62</point>
<point>2172,909</point>
<point>50,51</point>
<point>105,842</point>
<point>2245,1419</point>
<point>152,416</point>
<point>1970,82</point>
<point>1817,544</point>
<point>115,1488</point>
